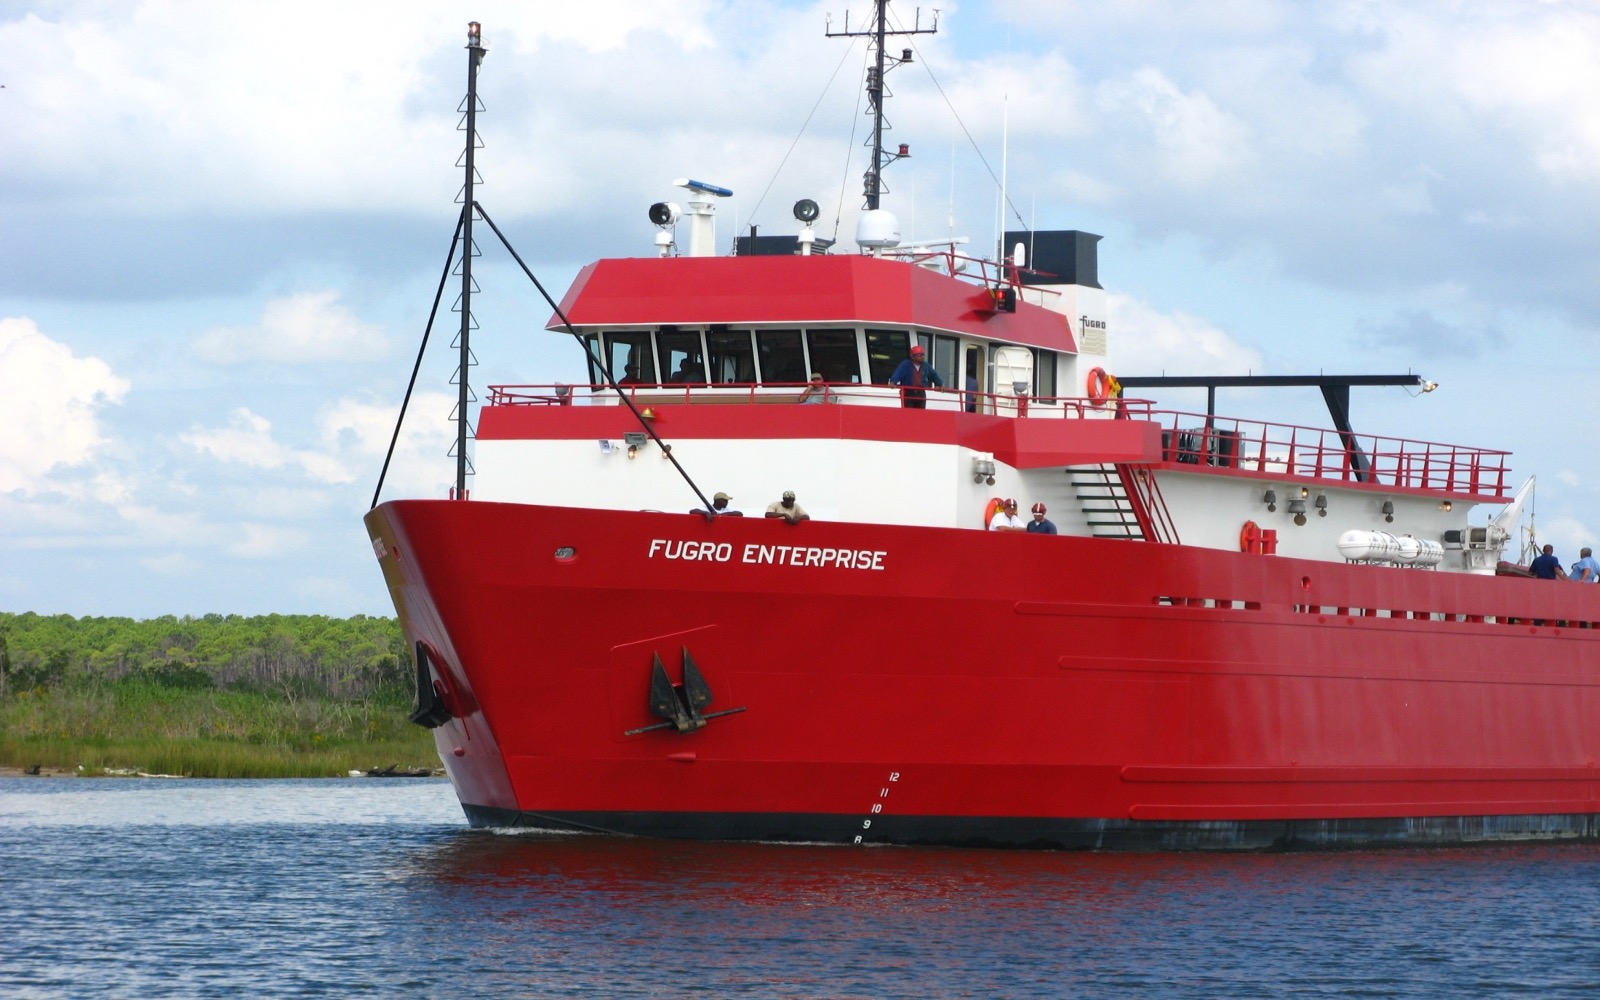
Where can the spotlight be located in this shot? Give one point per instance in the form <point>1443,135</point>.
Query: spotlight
<point>663,213</point>
<point>1445,506</point>
<point>805,210</point>
<point>1297,507</point>
<point>1429,386</point>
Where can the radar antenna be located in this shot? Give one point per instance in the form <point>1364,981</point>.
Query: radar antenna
<point>872,186</point>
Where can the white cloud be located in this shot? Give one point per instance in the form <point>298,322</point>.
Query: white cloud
<point>248,441</point>
<point>1145,340</point>
<point>308,328</point>
<point>263,541</point>
<point>49,406</point>
<point>1196,143</point>
<point>353,435</point>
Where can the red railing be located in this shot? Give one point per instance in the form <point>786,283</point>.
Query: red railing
<point>1300,452</point>
<point>1220,443</point>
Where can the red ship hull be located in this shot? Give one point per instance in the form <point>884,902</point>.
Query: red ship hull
<point>892,684</point>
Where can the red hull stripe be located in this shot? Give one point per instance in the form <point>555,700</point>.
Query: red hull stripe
<point>1021,444</point>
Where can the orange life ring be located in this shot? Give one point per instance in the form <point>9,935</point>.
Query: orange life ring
<point>1102,386</point>
<point>1250,537</point>
<point>994,507</point>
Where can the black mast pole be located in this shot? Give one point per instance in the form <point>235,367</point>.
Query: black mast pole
<point>475,54</point>
<point>872,185</point>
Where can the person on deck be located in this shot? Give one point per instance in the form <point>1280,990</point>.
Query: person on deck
<point>719,505</point>
<point>1586,569</point>
<point>816,391</point>
<point>1040,525</point>
<point>913,376</point>
<point>1006,519</point>
<point>788,509</point>
<point>1547,566</point>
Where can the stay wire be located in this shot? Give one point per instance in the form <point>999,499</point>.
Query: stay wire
<point>927,68</point>
<point>850,148</point>
<point>799,135</point>
<point>433,314</point>
<point>599,364</point>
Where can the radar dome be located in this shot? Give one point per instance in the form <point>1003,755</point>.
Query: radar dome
<point>877,228</point>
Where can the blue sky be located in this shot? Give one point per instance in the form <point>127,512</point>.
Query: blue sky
<point>221,226</point>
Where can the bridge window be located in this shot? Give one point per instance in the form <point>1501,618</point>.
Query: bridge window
<point>680,355</point>
<point>1044,373</point>
<point>625,349</point>
<point>782,358</point>
<point>834,355</point>
<point>885,350</point>
<point>732,357</point>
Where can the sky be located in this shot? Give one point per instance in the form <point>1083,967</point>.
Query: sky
<point>222,227</point>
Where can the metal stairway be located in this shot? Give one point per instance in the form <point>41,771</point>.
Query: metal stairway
<point>1106,507</point>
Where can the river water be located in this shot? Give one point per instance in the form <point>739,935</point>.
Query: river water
<point>143,888</point>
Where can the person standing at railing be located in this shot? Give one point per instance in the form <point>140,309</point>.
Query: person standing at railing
<point>1041,525</point>
<point>1547,566</point>
<point>913,377</point>
<point>1585,570</point>
<point>816,391</point>
<point>1006,519</point>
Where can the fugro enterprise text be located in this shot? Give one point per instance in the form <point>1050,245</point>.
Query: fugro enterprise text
<point>777,555</point>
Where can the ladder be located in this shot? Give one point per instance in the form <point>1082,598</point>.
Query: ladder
<point>1109,509</point>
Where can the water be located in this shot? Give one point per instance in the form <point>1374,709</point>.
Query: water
<point>269,888</point>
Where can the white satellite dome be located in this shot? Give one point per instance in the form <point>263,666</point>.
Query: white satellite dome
<point>877,229</point>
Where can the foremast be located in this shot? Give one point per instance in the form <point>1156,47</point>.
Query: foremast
<point>475,54</point>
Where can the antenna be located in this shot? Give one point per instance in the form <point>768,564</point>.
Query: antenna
<point>872,181</point>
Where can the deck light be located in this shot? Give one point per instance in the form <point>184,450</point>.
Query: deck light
<point>1388,511</point>
<point>1297,507</point>
<point>1445,506</point>
<point>1270,498</point>
<point>1322,505</point>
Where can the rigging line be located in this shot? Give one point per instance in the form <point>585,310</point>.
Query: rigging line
<point>433,313</point>
<point>599,364</point>
<point>803,126</point>
<point>927,68</point>
<point>855,121</point>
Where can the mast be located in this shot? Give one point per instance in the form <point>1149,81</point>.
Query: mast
<point>872,186</point>
<point>475,54</point>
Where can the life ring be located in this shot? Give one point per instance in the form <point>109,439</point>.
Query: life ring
<point>1250,537</point>
<point>993,507</point>
<point>1102,386</point>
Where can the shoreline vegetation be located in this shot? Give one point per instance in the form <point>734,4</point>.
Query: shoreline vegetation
<point>220,696</point>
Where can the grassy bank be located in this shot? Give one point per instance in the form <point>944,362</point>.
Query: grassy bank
<point>207,732</point>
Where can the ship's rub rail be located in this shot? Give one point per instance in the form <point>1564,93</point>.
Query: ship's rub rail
<point>1201,442</point>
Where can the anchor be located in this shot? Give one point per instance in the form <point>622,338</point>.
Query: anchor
<point>680,704</point>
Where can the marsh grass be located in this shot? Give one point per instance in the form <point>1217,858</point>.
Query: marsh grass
<point>207,732</point>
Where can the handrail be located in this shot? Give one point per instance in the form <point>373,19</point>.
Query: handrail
<point>1296,451</point>
<point>1221,444</point>
<point>938,397</point>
